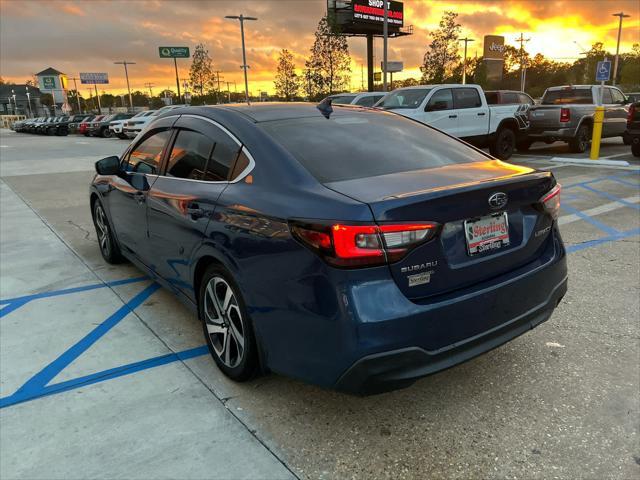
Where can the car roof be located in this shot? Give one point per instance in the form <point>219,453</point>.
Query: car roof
<point>267,111</point>
<point>566,87</point>
<point>420,87</point>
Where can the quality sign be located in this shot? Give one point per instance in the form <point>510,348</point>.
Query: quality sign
<point>174,52</point>
<point>48,83</point>
<point>94,78</point>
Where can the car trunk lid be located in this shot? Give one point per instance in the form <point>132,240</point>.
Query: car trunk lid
<point>457,198</point>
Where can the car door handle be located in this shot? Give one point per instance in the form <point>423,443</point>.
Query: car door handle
<point>453,116</point>
<point>139,197</point>
<point>481,114</point>
<point>194,211</point>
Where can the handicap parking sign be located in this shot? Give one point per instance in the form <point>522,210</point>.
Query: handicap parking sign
<point>603,71</point>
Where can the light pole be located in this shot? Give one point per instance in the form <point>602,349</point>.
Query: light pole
<point>29,102</point>
<point>464,60</point>
<point>523,68</point>
<point>385,38</point>
<point>244,65</point>
<point>126,74</point>
<point>75,85</point>
<point>15,104</point>
<point>615,65</point>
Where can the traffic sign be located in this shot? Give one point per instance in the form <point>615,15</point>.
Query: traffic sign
<point>603,71</point>
<point>174,52</point>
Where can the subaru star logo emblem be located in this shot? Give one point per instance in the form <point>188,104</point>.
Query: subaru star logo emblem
<point>497,200</point>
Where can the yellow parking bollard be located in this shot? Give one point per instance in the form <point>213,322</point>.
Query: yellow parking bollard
<point>598,118</point>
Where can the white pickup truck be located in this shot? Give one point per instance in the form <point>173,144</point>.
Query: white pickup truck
<point>462,111</point>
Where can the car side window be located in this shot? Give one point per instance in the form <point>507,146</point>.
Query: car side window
<point>367,101</point>
<point>466,98</point>
<point>606,96</point>
<point>524,99</point>
<point>510,98</point>
<point>241,165</point>
<point>146,156</point>
<point>617,96</point>
<point>225,151</point>
<point>189,156</point>
<point>440,100</point>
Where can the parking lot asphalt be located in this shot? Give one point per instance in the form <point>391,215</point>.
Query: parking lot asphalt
<point>103,375</point>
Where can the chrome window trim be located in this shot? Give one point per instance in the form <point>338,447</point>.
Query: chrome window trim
<point>127,152</point>
<point>242,175</point>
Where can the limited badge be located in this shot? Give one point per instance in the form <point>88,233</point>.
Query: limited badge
<point>419,278</point>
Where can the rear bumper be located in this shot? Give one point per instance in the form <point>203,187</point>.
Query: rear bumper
<point>391,370</point>
<point>559,133</point>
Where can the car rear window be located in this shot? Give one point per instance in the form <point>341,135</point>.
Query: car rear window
<point>366,144</point>
<point>565,96</point>
<point>492,98</point>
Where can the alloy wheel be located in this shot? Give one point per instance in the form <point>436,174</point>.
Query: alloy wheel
<point>102,229</point>
<point>224,322</point>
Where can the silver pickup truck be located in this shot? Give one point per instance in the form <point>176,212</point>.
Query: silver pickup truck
<point>566,113</point>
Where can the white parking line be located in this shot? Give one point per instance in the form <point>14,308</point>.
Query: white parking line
<point>607,207</point>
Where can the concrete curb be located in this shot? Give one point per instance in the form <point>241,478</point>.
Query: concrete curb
<point>586,161</point>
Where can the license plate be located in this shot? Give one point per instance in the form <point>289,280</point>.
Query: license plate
<point>487,233</point>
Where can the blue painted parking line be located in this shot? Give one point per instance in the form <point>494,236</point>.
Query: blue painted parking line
<point>66,291</point>
<point>611,197</point>
<point>589,219</point>
<point>600,241</point>
<point>625,182</point>
<point>20,397</point>
<point>34,386</point>
<point>601,179</point>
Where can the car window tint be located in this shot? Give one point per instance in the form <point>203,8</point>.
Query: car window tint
<point>509,98</point>
<point>241,165</point>
<point>224,155</point>
<point>189,156</point>
<point>441,100</point>
<point>466,98</point>
<point>342,99</point>
<point>606,96</point>
<point>617,95</point>
<point>567,96</point>
<point>343,148</point>
<point>524,99</point>
<point>492,97</point>
<point>410,98</point>
<point>147,155</point>
<point>367,101</point>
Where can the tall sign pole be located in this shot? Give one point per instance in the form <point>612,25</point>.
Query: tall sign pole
<point>175,64</point>
<point>385,38</point>
<point>615,65</point>
<point>244,65</point>
<point>175,53</point>
<point>464,60</point>
<point>126,74</point>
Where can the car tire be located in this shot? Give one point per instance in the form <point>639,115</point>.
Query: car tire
<point>122,136</point>
<point>106,242</point>
<point>229,335</point>
<point>626,139</point>
<point>523,145</point>
<point>50,132</point>
<point>503,144</point>
<point>106,133</point>
<point>580,143</point>
<point>635,149</point>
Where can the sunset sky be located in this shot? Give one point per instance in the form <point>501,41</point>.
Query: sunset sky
<point>88,36</point>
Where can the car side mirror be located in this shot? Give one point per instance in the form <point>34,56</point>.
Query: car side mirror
<point>108,166</point>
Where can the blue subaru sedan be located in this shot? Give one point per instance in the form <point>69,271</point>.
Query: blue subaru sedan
<point>348,247</point>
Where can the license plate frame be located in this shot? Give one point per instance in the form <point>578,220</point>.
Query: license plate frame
<point>496,238</point>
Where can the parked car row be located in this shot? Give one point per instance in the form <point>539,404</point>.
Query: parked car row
<point>506,120</point>
<point>121,125</point>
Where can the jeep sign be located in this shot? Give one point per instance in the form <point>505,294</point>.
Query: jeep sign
<point>494,47</point>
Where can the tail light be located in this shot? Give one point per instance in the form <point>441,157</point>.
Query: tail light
<point>551,201</point>
<point>565,115</point>
<point>344,245</point>
<point>631,114</point>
